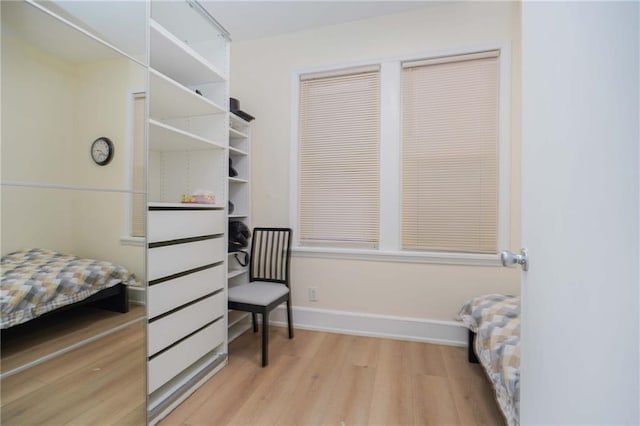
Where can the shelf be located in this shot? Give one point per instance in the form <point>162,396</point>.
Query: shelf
<point>163,137</point>
<point>237,180</point>
<point>185,205</point>
<point>170,99</point>
<point>237,120</point>
<point>238,216</point>
<point>234,134</point>
<point>236,151</point>
<point>236,316</point>
<point>238,329</point>
<point>233,274</point>
<point>176,59</point>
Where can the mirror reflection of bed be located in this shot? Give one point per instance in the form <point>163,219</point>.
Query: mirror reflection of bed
<point>65,360</point>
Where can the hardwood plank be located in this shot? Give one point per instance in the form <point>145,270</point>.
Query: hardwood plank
<point>364,351</point>
<point>350,399</point>
<point>475,402</point>
<point>433,403</point>
<point>426,358</point>
<point>456,364</point>
<point>314,388</point>
<point>275,389</point>
<point>392,399</point>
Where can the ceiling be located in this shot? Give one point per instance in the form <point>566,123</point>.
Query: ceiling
<point>248,20</point>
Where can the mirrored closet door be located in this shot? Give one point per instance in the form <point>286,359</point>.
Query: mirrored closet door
<point>73,206</point>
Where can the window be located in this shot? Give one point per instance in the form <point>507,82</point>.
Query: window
<point>450,154</point>
<point>439,190</point>
<point>338,158</point>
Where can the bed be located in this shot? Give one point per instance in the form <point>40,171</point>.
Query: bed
<point>38,281</point>
<point>493,321</point>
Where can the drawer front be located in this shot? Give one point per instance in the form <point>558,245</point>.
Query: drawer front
<point>169,260</point>
<point>171,328</point>
<point>165,225</point>
<point>170,363</point>
<point>168,295</point>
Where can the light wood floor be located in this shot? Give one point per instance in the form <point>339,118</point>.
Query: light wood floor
<point>43,336</point>
<point>100,383</point>
<point>333,379</point>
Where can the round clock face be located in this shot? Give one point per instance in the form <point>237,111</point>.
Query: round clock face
<point>102,151</point>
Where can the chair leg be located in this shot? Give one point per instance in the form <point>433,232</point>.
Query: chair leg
<point>289,319</point>
<point>265,338</point>
<point>254,319</point>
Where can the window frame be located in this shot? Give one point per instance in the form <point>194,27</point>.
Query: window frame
<point>128,239</point>
<point>389,248</point>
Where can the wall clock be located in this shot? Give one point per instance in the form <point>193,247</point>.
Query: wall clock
<point>102,151</point>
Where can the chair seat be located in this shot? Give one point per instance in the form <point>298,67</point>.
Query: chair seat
<point>257,293</point>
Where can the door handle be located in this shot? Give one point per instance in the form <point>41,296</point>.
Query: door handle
<point>510,259</point>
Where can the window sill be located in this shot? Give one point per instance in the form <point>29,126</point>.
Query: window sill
<point>132,241</point>
<point>467,259</point>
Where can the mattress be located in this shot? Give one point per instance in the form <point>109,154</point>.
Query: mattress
<point>37,281</point>
<point>495,318</point>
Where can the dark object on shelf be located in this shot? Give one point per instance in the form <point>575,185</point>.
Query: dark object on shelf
<point>234,107</point>
<point>238,236</point>
<point>268,266</point>
<point>232,171</point>
<point>231,207</point>
<point>245,255</point>
<point>198,92</point>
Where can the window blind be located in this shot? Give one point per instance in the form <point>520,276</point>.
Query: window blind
<point>450,154</point>
<point>138,207</point>
<point>338,158</point>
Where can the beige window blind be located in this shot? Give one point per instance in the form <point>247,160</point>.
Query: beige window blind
<point>450,154</point>
<point>138,207</point>
<point>338,158</point>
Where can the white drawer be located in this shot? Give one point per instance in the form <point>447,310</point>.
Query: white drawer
<point>168,260</point>
<point>170,363</point>
<point>168,330</point>
<point>168,295</point>
<point>165,225</point>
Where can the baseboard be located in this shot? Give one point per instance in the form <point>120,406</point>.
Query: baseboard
<point>137,295</point>
<point>361,324</point>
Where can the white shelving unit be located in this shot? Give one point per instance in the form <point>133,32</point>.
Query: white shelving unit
<point>187,152</point>
<point>240,195</point>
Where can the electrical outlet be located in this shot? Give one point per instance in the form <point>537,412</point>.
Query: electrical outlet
<point>313,294</point>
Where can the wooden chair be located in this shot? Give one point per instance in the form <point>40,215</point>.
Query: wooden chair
<point>268,285</point>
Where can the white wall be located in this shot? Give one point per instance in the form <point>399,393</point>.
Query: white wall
<point>261,79</point>
<point>68,106</point>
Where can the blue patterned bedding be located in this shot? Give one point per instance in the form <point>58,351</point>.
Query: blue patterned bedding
<point>38,281</point>
<point>495,318</point>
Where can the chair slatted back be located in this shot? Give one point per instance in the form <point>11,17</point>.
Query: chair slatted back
<point>270,255</point>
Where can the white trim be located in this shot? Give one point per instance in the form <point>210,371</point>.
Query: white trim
<point>504,146</point>
<point>132,241</point>
<point>390,239</point>
<point>293,154</point>
<point>444,258</point>
<point>137,295</point>
<point>72,187</point>
<point>389,226</point>
<point>360,324</point>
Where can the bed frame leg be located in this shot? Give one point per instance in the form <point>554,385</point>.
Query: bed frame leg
<point>471,352</point>
<point>118,302</point>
